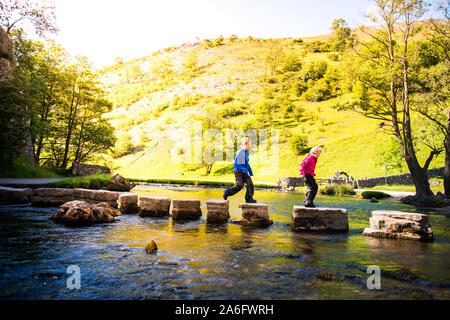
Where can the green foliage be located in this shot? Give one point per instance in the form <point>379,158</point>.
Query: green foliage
<point>298,41</point>
<point>292,63</point>
<point>20,167</point>
<point>337,189</point>
<point>314,70</point>
<point>342,37</point>
<point>374,194</point>
<point>298,144</point>
<point>124,145</point>
<point>93,181</point>
<point>333,56</point>
<point>15,14</point>
<point>318,46</point>
<point>320,91</point>
<point>388,153</point>
<point>218,41</point>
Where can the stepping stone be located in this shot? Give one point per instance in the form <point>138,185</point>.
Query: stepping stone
<point>218,211</point>
<point>156,207</point>
<point>128,203</point>
<point>255,215</point>
<point>96,196</point>
<point>51,197</point>
<point>319,219</point>
<point>14,195</point>
<point>399,225</point>
<point>186,210</point>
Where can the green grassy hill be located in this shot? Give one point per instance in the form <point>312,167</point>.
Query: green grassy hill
<point>154,94</point>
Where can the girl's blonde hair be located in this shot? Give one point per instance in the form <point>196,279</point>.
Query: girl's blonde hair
<point>316,149</point>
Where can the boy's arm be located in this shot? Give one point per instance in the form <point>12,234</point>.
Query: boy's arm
<point>240,157</point>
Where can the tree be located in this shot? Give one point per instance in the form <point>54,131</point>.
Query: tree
<point>274,58</point>
<point>433,101</point>
<point>17,13</point>
<point>342,37</point>
<point>383,68</point>
<point>388,153</point>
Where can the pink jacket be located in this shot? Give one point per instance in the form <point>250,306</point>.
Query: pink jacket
<point>308,165</point>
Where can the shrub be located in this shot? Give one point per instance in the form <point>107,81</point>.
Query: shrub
<point>298,144</point>
<point>231,111</point>
<point>124,145</point>
<point>374,194</point>
<point>292,64</point>
<point>321,91</point>
<point>297,41</point>
<point>337,189</point>
<point>333,56</point>
<point>318,46</point>
<point>314,70</point>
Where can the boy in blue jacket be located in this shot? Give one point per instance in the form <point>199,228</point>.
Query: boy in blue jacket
<point>242,173</point>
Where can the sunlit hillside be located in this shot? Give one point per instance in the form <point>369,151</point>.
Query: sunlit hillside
<point>157,95</point>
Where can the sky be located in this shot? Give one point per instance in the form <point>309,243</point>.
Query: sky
<point>105,29</point>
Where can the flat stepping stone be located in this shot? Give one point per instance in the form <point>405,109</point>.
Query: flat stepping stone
<point>51,197</point>
<point>319,219</point>
<point>156,207</point>
<point>399,225</point>
<point>186,209</point>
<point>255,215</point>
<point>128,203</point>
<point>15,195</point>
<point>217,211</point>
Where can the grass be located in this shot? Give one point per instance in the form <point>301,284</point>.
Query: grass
<point>408,188</point>
<point>337,189</point>
<point>22,168</point>
<point>374,194</point>
<point>93,181</point>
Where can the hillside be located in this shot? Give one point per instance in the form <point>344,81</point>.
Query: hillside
<point>172,87</point>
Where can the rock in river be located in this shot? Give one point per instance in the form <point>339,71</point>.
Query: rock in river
<point>79,213</point>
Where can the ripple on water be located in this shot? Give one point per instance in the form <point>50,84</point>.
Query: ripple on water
<point>196,260</point>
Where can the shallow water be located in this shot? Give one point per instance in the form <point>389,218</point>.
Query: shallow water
<point>200,261</point>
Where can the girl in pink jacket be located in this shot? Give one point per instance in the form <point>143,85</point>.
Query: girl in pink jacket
<point>307,169</point>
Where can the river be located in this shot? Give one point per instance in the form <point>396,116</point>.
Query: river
<point>200,261</point>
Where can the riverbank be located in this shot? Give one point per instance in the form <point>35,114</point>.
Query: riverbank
<point>198,182</point>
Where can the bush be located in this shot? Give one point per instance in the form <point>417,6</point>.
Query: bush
<point>298,144</point>
<point>321,91</point>
<point>297,41</point>
<point>318,46</point>
<point>231,111</point>
<point>333,56</point>
<point>337,189</point>
<point>314,70</point>
<point>374,194</point>
<point>123,146</point>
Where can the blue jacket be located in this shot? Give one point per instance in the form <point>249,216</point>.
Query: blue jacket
<point>241,162</point>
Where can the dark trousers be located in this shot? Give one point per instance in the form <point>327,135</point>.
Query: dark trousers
<point>241,178</point>
<point>311,189</point>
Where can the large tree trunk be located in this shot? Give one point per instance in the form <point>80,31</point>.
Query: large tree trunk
<point>447,167</point>
<point>419,176</point>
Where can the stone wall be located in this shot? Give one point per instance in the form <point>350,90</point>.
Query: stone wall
<point>404,179</point>
<point>81,169</point>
